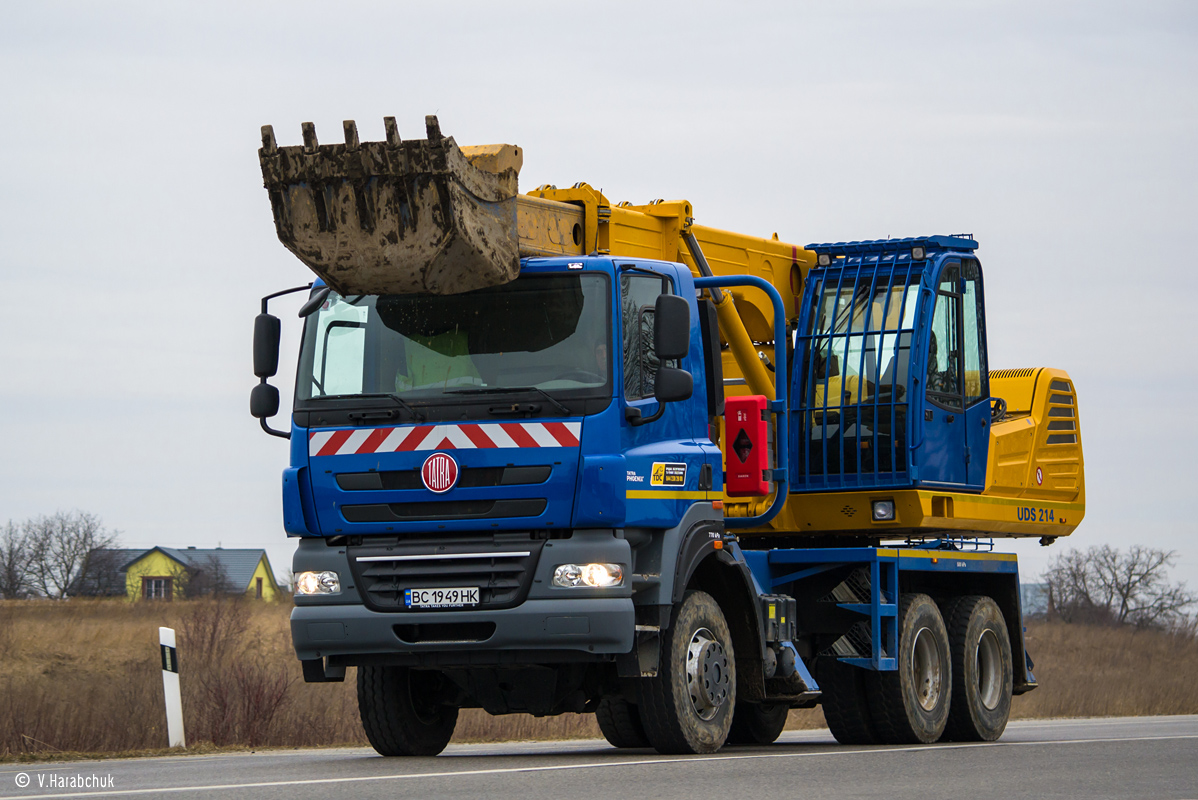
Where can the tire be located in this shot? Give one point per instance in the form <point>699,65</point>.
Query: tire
<point>845,702</point>
<point>983,672</point>
<point>397,713</point>
<point>757,723</point>
<point>688,707</point>
<point>621,723</point>
<point>910,705</point>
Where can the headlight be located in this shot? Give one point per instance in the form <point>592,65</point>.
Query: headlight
<point>596,575</point>
<point>317,583</point>
<point>883,511</point>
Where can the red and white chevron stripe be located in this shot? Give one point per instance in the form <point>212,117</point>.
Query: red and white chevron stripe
<point>358,441</point>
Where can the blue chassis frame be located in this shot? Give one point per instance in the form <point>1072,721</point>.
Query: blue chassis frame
<point>777,570</point>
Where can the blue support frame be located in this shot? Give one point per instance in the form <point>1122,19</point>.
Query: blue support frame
<point>781,569</point>
<point>778,407</point>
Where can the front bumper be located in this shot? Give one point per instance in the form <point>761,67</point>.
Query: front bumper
<point>595,625</point>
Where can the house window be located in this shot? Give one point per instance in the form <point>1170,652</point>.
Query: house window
<point>258,589</point>
<point>156,588</point>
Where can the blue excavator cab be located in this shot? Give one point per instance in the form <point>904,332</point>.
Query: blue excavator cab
<point>891,388</point>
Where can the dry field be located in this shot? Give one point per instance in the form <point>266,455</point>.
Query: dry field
<point>84,676</point>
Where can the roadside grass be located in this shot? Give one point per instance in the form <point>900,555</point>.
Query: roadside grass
<point>82,679</point>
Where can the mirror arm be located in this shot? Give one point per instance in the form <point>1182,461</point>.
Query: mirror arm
<point>273,432</point>
<point>266,300</point>
<point>633,415</point>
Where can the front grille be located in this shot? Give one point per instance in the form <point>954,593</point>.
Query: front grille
<point>469,478</point>
<point>501,569</point>
<point>450,509</point>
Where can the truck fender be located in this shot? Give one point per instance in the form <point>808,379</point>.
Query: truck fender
<point>697,544</point>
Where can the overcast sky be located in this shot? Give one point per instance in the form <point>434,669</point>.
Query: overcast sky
<point>136,238</point>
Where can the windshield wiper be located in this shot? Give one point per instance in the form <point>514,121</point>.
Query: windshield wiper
<point>513,390</point>
<point>419,416</point>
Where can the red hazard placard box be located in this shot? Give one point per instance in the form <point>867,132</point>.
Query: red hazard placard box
<point>747,453</point>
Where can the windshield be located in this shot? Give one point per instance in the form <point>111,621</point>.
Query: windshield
<point>862,333</point>
<point>546,332</point>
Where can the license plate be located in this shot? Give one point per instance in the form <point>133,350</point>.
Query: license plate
<point>441,598</point>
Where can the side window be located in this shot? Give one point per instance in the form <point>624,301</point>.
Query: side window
<point>340,346</point>
<point>944,347</point>
<point>638,297</point>
<point>974,334</point>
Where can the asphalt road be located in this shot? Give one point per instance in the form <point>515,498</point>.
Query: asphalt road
<point>1134,757</point>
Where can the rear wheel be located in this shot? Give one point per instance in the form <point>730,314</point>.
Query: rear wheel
<point>621,723</point>
<point>399,711</point>
<point>757,723</point>
<point>910,704</point>
<point>983,673</point>
<point>688,707</point>
<point>845,704</point>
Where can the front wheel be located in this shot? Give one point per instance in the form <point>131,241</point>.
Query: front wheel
<point>400,713</point>
<point>688,707</point>
<point>621,723</point>
<point>758,723</point>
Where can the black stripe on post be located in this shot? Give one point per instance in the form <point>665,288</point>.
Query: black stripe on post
<point>170,659</point>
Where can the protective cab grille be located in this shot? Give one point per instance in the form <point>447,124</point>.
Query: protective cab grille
<point>501,568</point>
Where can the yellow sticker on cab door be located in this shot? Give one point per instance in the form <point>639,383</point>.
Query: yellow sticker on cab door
<point>667,474</point>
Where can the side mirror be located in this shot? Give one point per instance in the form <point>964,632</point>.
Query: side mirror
<point>264,401</point>
<point>314,302</point>
<point>670,386</point>
<point>266,345</point>
<point>671,327</point>
<point>673,385</point>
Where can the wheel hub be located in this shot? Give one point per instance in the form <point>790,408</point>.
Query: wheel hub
<point>707,675</point>
<point>989,670</point>
<point>926,669</point>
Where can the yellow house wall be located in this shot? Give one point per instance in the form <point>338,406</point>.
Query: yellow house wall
<point>270,589</point>
<point>155,564</point>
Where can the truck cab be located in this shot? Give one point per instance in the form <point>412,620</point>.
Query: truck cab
<point>471,468</point>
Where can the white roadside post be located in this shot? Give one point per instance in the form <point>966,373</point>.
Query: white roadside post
<point>170,687</point>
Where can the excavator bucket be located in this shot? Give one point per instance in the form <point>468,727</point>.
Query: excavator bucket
<point>396,217</point>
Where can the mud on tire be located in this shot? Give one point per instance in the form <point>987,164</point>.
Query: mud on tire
<point>688,707</point>
<point>398,711</point>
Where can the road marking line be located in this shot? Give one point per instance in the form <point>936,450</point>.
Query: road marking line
<point>224,787</point>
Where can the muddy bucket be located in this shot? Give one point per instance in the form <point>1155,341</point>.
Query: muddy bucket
<point>396,217</point>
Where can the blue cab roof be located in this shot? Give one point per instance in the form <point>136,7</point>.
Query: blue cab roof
<point>964,243</point>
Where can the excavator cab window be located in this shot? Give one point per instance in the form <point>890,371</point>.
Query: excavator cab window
<point>953,432</point>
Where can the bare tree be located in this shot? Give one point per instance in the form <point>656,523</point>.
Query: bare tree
<point>1104,585</point>
<point>101,575</point>
<point>60,546</point>
<point>208,577</point>
<point>15,557</point>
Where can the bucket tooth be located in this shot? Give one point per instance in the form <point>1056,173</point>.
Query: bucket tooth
<point>269,146</point>
<point>432,129</point>
<point>393,141</point>
<point>397,217</point>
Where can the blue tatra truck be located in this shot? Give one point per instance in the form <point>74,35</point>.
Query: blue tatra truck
<point>550,454</point>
